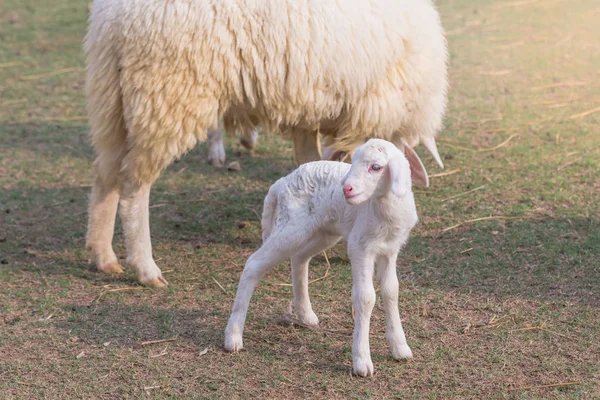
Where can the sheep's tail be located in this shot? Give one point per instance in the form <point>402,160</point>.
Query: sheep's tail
<point>269,214</point>
<point>104,99</point>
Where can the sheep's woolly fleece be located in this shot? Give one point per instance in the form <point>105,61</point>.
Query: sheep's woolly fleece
<point>161,72</point>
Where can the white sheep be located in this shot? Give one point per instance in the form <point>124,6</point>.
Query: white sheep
<point>370,204</point>
<point>160,73</point>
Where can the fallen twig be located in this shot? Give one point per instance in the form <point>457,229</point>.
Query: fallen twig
<point>467,192</point>
<point>494,322</point>
<point>500,145</point>
<point>221,287</point>
<point>479,219</point>
<point>482,150</point>
<point>10,64</point>
<point>511,45</point>
<point>516,3</point>
<point>569,163</point>
<point>325,275</point>
<point>9,102</point>
<point>149,342</point>
<point>541,327</point>
<point>454,171</point>
<point>254,211</point>
<point>66,119</point>
<point>49,74</point>
<point>583,114</point>
<point>560,84</point>
<point>545,386</point>
<point>162,353</point>
<point>496,73</point>
<point>116,290</point>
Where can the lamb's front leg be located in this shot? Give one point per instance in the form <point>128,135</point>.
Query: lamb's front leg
<point>363,299</point>
<point>386,269</point>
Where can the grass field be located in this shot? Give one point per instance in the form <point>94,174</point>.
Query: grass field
<point>488,305</point>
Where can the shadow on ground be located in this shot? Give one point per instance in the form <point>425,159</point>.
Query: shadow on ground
<point>552,259</point>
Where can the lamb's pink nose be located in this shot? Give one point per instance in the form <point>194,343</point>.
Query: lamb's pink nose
<point>347,190</point>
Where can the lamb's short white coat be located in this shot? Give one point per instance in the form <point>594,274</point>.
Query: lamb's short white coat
<point>307,212</point>
<point>160,73</point>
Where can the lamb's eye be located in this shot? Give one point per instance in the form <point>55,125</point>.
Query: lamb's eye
<point>375,167</point>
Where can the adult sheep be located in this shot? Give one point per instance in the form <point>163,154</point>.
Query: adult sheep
<point>162,72</point>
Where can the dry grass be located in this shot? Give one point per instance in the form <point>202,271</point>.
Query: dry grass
<point>499,282</point>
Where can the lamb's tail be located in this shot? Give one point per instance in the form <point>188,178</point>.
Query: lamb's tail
<point>269,214</point>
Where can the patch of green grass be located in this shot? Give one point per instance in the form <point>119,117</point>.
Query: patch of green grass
<point>487,305</point>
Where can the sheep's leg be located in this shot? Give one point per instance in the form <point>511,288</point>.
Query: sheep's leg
<point>386,269</point>
<point>216,150</point>
<point>101,224</point>
<point>272,253</point>
<point>300,261</point>
<point>136,227</point>
<point>363,299</point>
<point>307,146</point>
<point>249,139</point>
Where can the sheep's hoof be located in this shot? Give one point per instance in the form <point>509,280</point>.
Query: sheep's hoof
<point>309,319</point>
<point>402,353</point>
<point>216,156</point>
<point>112,268</point>
<point>216,162</point>
<point>363,368</point>
<point>156,282</point>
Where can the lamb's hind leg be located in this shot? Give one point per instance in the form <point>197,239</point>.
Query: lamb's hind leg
<point>272,253</point>
<point>300,261</point>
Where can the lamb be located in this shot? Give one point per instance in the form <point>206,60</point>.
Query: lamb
<point>161,73</point>
<point>371,205</point>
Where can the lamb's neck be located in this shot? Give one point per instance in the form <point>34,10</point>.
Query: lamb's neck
<point>392,208</point>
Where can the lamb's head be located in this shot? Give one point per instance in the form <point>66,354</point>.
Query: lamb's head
<point>379,167</point>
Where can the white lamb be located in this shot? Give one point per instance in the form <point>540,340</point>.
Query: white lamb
<point>370,204</point>
<point>160,73</point>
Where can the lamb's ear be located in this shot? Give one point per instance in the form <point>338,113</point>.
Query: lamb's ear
<point>399,177</point>
<point>418,174</point>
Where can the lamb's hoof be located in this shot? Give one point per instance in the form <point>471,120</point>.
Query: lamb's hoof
<point>112,268</point>
<point>156,282</point>
<point>233,343</point>
<point>363,368</point>
<point>402,353</point>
